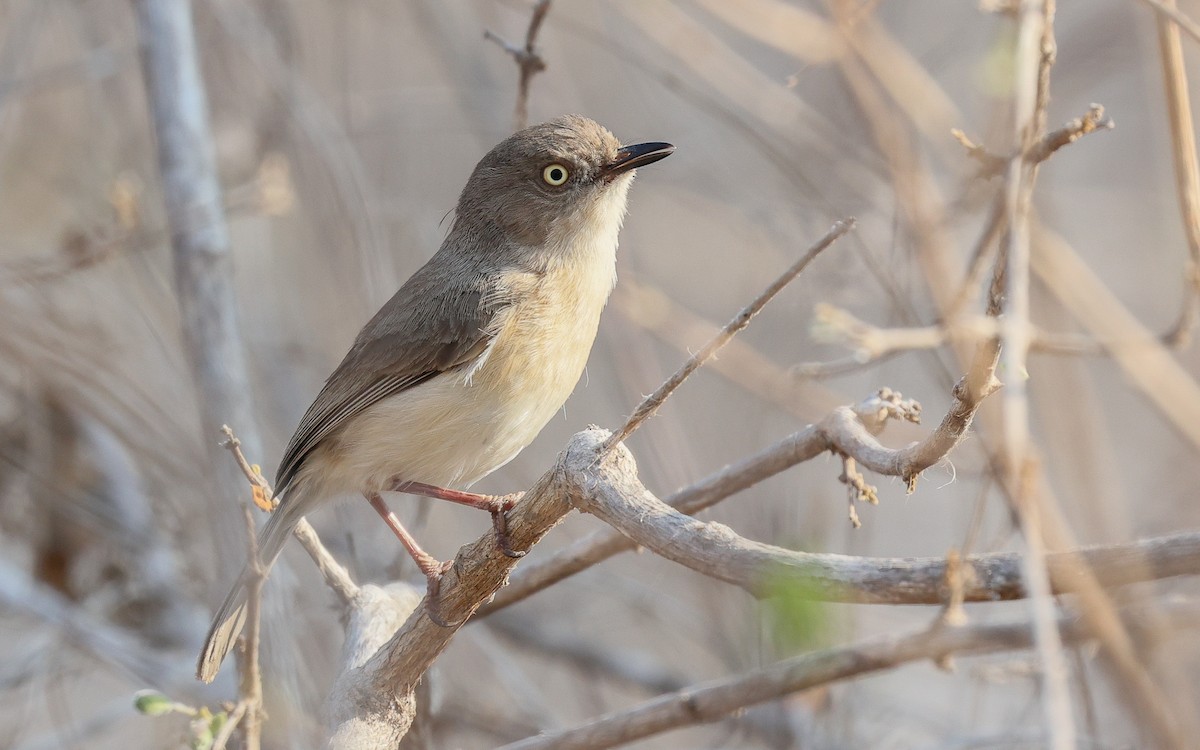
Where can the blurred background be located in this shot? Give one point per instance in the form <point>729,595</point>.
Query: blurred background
<point>344,131</point>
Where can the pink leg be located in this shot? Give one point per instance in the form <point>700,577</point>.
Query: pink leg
<point>429,565</point>
<point>497,505</point>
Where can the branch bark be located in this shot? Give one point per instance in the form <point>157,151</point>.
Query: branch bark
<point>615,494</point>
<point>379,696</point>
<point>715,700</point>
<point>847,430</point>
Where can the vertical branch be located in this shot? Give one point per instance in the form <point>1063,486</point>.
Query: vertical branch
<point>1033,57</point>
<point>200,245</point>
<point>1187,175</point>
<point>251,688</point>
<point>529,60</point>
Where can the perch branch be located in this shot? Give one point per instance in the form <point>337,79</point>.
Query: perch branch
<point>848,430</point>
<point>379,695</point>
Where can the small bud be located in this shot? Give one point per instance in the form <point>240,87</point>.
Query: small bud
<point>152,703</point>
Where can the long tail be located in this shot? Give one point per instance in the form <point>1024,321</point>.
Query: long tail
<point>230,618</point>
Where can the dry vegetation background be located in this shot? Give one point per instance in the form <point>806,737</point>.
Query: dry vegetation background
<point>344,131</point>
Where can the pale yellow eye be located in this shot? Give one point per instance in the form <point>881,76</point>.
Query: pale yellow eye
<point>555,174</point>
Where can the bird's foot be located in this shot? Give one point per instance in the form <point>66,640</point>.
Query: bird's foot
<point>434,571</point>
<point>497,505</point>
<point>505,503</point>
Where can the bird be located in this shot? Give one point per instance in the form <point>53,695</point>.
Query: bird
<point>462,368</point>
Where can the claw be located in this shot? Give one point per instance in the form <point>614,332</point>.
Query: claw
<point>505,503</point>
<point>433,591</point>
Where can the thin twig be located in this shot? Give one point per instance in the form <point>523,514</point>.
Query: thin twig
<point>992,165</point>
<point>1033,57</point>
<point>651,403</point>
<point>1187,173</point>
<point>248,712</point>
<point>251,672</point>
<point>529,61</point>
<point>715,700</point>
<point>335,574</point>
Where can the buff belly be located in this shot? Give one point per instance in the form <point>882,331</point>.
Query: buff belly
<point>460,426</point>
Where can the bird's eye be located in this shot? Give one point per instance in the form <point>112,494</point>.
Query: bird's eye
<point>555,174</point>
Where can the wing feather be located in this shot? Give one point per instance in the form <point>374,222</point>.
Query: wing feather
<point>421,332</point>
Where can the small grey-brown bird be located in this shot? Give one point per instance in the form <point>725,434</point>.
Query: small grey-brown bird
<point>469,360</point>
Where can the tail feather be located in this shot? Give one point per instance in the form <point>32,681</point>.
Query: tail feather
<point>231,616</point>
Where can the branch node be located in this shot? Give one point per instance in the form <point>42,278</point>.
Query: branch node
<point>990,164</point>
<point>875,411</point>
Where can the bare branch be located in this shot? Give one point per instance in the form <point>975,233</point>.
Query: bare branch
<point>1033,58</point>
<point>381,691</point>
<point>615,494</point>
<point>200,241</point>
<point>651,403</point>
<point>715,700</point>
<point>529,60</point>
<point>1187,173</point>
<point>335,574</point>
<point>375,616</point>
<point>992,165</point>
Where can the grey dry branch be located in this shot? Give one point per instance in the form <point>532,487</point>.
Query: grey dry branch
<point>715,700</point>
<point>846,430</point>
<point>1034,56</point>
<point>199,239</point>
<point>651,403</point>
<point>529,61</point>
<point>615,494</point>
<point>381,691</point>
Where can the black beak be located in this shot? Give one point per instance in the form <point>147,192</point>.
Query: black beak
<point>632,157</point>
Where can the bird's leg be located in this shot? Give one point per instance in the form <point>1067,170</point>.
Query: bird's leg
<point>428,564</point>
<point>497,505</point>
